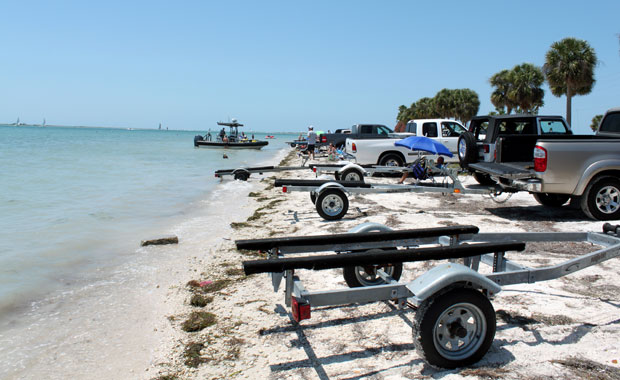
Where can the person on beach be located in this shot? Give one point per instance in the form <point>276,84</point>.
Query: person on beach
<point>331,152</point>
<point>311,140</point>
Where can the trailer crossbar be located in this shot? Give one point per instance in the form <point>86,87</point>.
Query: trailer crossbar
<point>345,238</point>
<point>322,262</point>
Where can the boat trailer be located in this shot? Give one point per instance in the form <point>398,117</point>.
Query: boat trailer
<point>455,320</point>
<point>331,201</point>
<point>343,171</point>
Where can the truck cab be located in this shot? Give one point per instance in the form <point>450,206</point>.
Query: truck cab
<point>445,131</point>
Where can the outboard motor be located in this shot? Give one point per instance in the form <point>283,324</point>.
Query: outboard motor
<point>196,139</point>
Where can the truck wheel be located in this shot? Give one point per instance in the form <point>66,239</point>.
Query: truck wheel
<point>359,276</point>
<point>468,150</point>
<point>455,328</point>
<point>601,200</point>
<point>551,200</point>
<point>391,159</point>
<point>484,179</point>
<point>332,204</point>
<point>352,175</point>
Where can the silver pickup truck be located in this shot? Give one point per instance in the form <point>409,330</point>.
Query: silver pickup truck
<point>582,168</point>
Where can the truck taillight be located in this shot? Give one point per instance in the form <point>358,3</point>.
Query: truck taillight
<point>540,159</point>
<point>485,147</point>
<point>323,138</point>
<point>353,148</point>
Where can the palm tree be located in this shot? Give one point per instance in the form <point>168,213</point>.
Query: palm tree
<point>525,90</point>
<point>569,69</point>
<point>502,83</point>
<point>596,120</point>
<point>467,104</point>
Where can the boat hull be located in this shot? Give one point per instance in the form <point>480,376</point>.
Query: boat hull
<point>229,145</point>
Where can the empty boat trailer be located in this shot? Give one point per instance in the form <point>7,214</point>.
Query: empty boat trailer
<point>454,321</point>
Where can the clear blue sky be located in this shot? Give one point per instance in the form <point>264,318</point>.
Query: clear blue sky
<point>281,65</point>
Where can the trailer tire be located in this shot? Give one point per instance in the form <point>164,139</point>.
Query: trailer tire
<point>332,204</point>
<point>391,159</point>
<point>601,199</point>
<point>461,317</point>
<point>467,149</point>
<point>361,276</point>
<point>351,174</point>
<point>242,176</point>
<point>551,199</point>
<point>484,179</point>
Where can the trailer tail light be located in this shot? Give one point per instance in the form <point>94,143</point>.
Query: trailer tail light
<point>300,308</point>
<point>540,159</point>
<point>314,169</point>
<point>284,189</point>
<point>353,148</point>
<point>217,175</point>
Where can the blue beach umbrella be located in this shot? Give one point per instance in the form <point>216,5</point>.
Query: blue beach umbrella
<point>425,144</point>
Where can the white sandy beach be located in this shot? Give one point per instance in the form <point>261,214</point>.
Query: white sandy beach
<point>572,320</point>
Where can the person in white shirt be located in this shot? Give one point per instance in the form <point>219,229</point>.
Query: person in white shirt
<point>311,140</point>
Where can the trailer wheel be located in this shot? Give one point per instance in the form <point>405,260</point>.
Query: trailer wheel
<point>352,175</point>
<point>454,329</point>
<point>483,179</point>
<point>332,204</point>
<point>601,199</point>
<point>468,149</point>
<point>550,199</point>
<point>242,176</point>
<point>360,276</point>
<point>391,159</point>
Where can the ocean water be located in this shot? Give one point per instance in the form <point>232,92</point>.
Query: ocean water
<point>76,202</point>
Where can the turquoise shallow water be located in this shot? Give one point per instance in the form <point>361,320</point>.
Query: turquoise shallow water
<point>76,200</point>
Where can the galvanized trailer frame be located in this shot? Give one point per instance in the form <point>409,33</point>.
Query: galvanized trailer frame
<point>455,320</point>
<point>331,197</point>
<point>345,171</point>
<point>243,173</point>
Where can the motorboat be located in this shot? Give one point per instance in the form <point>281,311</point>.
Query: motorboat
<point>232,140</point>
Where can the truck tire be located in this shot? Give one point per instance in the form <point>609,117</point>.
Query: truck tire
<point>601,199</point>
<point>455,328</point>
<point>391,159</point>
<point>551,199</point>
<point>332,204</point>
<point>467,149</point>
<point>484,179</point>
<point>352,174</point>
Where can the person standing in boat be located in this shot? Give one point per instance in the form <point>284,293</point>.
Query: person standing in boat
<point>222,134</point>
<point>311,140</point>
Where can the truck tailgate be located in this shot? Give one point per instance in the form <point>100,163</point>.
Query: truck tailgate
<point>513,170</point>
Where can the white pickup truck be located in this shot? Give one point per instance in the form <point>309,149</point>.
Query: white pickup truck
<point>383,151</point>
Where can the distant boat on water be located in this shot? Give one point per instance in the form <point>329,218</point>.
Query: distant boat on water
<point>233,140</point>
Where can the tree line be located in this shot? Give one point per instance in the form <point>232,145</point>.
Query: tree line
<point>568,69</point>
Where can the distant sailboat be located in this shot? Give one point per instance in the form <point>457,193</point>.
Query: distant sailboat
<point>43,122</point>
<point>17,122</point>
<point>160,126</point>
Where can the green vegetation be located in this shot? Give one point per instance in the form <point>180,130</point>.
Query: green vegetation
<point>461,104</point>
<point>198,320</point>
<point>200,300</point>
<point>596,120</point>
<point>518,89</point>
<point>192,355</point>
<point>569,69</point>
